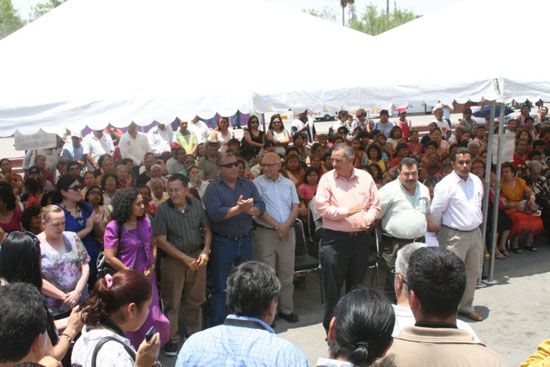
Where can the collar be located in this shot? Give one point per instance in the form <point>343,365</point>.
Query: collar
<point>325,362</point>
<point>459,179</point>
<point>279,177</point>
<point>351,177</point>
<point>188,202</point>
<point>416,188</point>
<point>253,319</point>
<point>435,325</point>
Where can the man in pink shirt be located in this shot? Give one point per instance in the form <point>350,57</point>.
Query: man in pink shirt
<point>347,201</point>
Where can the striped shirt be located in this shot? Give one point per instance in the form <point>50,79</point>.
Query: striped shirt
<point>219,197</point>
<point>181,228</point>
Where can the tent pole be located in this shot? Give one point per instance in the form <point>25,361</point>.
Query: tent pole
<point>491,279</point>
<point>486,185</point>
<point>262,119</point>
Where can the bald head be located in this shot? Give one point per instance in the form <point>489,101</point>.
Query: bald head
<point>271,164</point>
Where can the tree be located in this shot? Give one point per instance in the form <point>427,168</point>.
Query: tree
<point>42,8</point>
<point>343,4</point>
<point>325,14</point>
<point>9,19</point>
<point>375,21</point>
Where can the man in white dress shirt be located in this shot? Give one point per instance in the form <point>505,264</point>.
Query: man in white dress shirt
<point>200,129</point>
<point>160,138</point>
<point>456,207</point>
<point>134,145</point>
<point>95,145</point>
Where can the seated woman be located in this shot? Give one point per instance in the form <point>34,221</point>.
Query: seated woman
<point>361,330</point>
<point>442,145</point>
<point>516,191</point>
<point>359,155</point>
<point>374,154</point>
<point>119,304</point>
<point>307,190</point>
<point>521,153</point>
<point>293,170</point>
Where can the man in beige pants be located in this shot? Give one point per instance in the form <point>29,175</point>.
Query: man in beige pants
<point>456,207</point>
<point>274,238</point>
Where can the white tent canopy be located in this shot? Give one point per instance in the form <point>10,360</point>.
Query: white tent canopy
<point>469,50</point>
<point>93,62</point>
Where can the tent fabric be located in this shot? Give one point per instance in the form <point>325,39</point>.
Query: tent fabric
<point>93,62</point>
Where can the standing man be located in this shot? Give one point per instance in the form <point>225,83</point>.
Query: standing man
<point>404,205</point>
<point>304,124</point>
<point>274,237</point>
<point>207,164</point>
<point>179,222</point>
<point>186,138</point>
<point>384,125</point>
<point>200,129</point>
<point>456,206</point>
<point>160,138</point>
<point>347,200</point>
<point>75,150</point>
<point>134,145</point>
<point>94,146</point>
<point>230,202</point>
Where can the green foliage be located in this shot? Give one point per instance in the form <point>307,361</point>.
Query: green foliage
<point>42,8</point>
<point>376,21</point>
<point>325,14</point>
<point>9,19</point>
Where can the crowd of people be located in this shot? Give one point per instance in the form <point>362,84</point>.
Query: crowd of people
<point>167,209</point>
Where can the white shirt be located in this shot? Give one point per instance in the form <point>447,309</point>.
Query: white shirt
<point>97,147</point>
<point>134,149</point>
<point>51,154</point>
<point>159,139</point>
<point>404,215</point>
<point>200,129</point>
<point>298,124</point>
<point>457,203</point>
<point>111,354</point>
<point>404,317</point>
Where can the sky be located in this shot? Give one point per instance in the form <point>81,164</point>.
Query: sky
<point>419,7</point>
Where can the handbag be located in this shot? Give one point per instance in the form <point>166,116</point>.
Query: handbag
<point>101,263</point>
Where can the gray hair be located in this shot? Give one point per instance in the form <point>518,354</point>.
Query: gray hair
<point>403,257</point>
<point>473,143</point>
<point>534,165</point>
<point>156,165</point>
<point>155,180</point>
<point>348,151</point>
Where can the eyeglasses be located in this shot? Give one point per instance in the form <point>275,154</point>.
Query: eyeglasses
<point>75,188</point>
<point>229,165</point>
<point>269,164</point>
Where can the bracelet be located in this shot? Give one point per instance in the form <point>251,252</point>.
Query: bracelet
<point>71,340</point>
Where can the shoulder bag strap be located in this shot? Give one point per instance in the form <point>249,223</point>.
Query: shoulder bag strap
<point>105,340</point>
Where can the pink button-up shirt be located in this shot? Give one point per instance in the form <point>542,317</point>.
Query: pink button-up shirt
<point>336,194</point>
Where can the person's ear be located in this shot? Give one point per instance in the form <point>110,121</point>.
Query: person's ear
<point>330,335</point>
<point>132,309</point>
<point>414,302</point>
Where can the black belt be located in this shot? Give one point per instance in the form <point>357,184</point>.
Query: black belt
<point>460,230</point>
<point>256,224</point>
<point>231,237</point>
<point>402,239</point>
<point>349,234</point>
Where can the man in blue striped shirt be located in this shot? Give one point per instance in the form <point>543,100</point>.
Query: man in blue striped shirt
<point>230,203</point>
<point>245,338</point>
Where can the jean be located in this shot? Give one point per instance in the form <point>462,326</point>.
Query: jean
<point>226,253</point>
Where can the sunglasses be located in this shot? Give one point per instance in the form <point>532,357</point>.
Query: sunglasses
<point>229,165</point>
<point>75,188</point>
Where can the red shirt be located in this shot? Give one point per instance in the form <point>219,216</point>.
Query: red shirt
<point>519,161</point>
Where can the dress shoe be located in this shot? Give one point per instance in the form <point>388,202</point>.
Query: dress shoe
<point>473,315</point>
<point>290,317</point>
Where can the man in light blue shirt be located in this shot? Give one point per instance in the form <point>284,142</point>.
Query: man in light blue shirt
<point>74,151</point>
<point>245,338</point>
<point>274,238</point>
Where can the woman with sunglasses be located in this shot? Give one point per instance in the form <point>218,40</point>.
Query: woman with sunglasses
<point>278,135</point>
<point>79,217</point>
<point>64,262</point>
<point>253,138</point>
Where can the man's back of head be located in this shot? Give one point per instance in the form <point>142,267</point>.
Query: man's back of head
<point>23,322</point>
<point>251,288</point>
<point>438,279</point>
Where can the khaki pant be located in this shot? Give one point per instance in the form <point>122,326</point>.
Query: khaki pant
<point>279,255</point>
<point>469,247</point>
<point>175,279</point>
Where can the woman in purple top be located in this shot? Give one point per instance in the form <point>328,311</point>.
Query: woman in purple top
<point>128,245</point>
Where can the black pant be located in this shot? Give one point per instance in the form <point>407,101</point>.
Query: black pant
<point>390,246</point>
<point>344,257</point>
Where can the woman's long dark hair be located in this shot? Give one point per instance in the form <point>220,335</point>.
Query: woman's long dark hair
<point>20,259</point>
<point>122,204</point>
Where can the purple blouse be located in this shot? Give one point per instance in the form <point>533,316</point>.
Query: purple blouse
<point>132,244</point>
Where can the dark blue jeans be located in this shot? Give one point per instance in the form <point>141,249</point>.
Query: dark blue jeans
<point>225,255</point>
